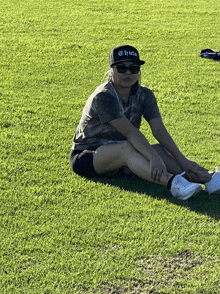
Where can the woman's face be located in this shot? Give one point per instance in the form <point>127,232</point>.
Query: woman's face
<point>127,79</point>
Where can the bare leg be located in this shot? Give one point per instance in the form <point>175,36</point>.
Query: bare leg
<point>171,164</point>
<point>113,157</point>
<point>174,168</point>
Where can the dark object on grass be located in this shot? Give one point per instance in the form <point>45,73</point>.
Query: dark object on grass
<point>210,54</point>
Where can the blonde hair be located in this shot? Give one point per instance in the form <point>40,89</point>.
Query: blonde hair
<point>108,75</point>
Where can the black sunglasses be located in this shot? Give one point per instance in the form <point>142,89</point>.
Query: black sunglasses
<point>122,68</point>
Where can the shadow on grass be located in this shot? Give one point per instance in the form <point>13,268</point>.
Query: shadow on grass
<point>202,203</point>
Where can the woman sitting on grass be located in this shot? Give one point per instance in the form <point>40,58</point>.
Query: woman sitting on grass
<point>108,141</point>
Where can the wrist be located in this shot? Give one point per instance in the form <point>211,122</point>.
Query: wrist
<point>182,162</point>
<point>180,158</point>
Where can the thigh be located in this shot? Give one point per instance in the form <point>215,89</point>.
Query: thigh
<point>111,157</point>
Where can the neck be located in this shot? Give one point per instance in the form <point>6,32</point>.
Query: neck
<point>123,92</point>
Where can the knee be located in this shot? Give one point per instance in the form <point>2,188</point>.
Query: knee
<point>158,147</point>
<point>127,149</point>
<point>126,145</point>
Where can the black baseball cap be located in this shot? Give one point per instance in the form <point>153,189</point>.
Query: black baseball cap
<point>124,53</point>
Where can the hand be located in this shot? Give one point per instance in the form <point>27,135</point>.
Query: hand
<point>194,172</point>
<point>157,169</point>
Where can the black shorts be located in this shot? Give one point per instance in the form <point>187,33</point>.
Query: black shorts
<point>81,162</point>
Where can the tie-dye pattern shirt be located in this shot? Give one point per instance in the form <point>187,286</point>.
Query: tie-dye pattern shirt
<point>103,106</point>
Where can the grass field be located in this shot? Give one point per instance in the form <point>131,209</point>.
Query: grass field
<point>60,233</point>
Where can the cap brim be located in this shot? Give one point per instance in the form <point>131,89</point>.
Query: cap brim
<point>140,62</point>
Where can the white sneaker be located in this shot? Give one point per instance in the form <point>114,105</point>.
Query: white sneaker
<point>183,189</point>
<point>213,186</point>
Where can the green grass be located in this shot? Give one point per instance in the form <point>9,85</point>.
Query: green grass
<point>60,233</point>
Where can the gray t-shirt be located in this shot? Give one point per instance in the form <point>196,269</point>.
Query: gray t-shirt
<point>103,106</point>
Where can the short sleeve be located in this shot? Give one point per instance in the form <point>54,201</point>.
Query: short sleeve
<point>107,107</point>
<point>150,107</point>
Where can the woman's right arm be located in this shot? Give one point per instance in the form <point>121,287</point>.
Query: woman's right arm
<point>141,144</point>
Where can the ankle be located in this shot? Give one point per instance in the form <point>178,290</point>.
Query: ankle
<point>169,183</point>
